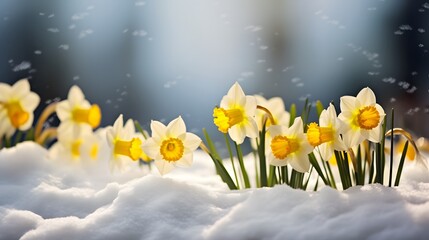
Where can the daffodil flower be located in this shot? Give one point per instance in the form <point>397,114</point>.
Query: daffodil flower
<point>363,118</point>
<point>236,115</point>
<point>83,147</point>
<point>17,104</point>
<point>77,113</point>
<point>277,108</point>
<point>124,142</point>
<point>326,136</point>
<point>289,145</point>
<point>171,145</point>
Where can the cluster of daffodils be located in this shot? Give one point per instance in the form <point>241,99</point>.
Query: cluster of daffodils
<point>77,140</point>
<point>285,140</point>
<point>287,148</point>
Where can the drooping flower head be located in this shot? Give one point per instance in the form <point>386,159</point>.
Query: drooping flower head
<point>82,146</point>
<point>289,145</point>
<point>77,113</point>
<point>363,118</point>
<point>326,136</point>
<point>236,115</point>
<point>277,108</point>
<point>17,104</point>
<point>171,145</point>
<point>124,142</point>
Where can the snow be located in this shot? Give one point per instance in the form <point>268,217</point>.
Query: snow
<point>44,198</point>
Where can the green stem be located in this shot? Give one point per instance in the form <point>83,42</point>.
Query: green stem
<point>228,145</point>
<point>391,151</point>
<point>242,167</point>
<point>401,164</point>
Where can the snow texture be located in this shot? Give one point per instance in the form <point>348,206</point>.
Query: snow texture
<point>43,198</point>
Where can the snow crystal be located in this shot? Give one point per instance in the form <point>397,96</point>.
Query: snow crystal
<point>79,16</point>
<point>38,52</point>
<point>64,47</point>
<point>140,4</point>
<point>253,28</point>
<point>22,66</point>
<point>169,84</point>
<point>405,27</point>
<point>53,30</point>
<point>139,33</point>
<point>263,47</point>
<point>426,5</point>
<point>421,30</point>
<point>85,33</point>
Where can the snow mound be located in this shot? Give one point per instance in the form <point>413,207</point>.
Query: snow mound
<point>43,199</point>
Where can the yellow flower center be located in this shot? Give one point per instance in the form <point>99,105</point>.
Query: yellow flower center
<point>368,117</point>
<point>131,149</point>
<point>17,115</point>
<point>91,116</point>
<point>75,148</point>
<point>93,153</point>
<point>317,135</point>
<point>172,149</point>
<point>224,119</point>
<point>282,146</point>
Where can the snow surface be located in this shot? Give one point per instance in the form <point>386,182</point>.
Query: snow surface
<point>41,198</point>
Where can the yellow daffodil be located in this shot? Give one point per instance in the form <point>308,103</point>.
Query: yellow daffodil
<point>77,113</point>
<point>289,145</point>
<point>326,136</point>
<point>17,104</point>
<point>171,145</point>
<point>236,115</point>
<point>124,142</point>
<point>83,147</point>
<point>363,118</point>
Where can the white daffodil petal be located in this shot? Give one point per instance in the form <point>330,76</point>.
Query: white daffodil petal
<point>158,130</point>
<point>75,96</point>
<point>129,126</point>
<point>63,110</point>
<point>186,160</point>
<point>352,138</point>
<point>251,128</point>
<point>297,127</point>
<point>236,93</point>
<point>151,148</point>
<point>326,150</point>
<point>366,97</point>
<point>236,134</point>
<point>375,135</point>
<point>176,127</point>
<point>276,130</point>
<point>192,141</point>
<point>300,162</point>
<point>30,101</point>
<point>118,124</point>
<point>250,106</point>
<point>347,103</point>
<point>164,167</point>
<point>5,91</point>
<point>20,89</point>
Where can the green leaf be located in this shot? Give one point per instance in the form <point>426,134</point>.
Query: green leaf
<point>401,164</point>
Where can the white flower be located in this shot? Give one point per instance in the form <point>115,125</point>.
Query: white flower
<point>77,113</point>
<point>326,136</point>
<point>171,145</point>
<point>236,115</point>
<point>17,104</point>
<point>363,118</point>
<point>289,145</point>
<point>277,108</point>
<point>124,142</point>
<point>83,147</point>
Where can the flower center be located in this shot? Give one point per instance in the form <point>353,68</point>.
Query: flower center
<point>131,149</point>
<point>224,119</point>
<point>317,135</point>
<point>93,153</point>
<point>282,146</point>
<point>91,116</point>
<point>75,148</point>
<point>17,115</point>
<point>172,149</point>
<point>368,117</point>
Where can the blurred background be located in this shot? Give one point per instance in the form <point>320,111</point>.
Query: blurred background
<point>160,59</point>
